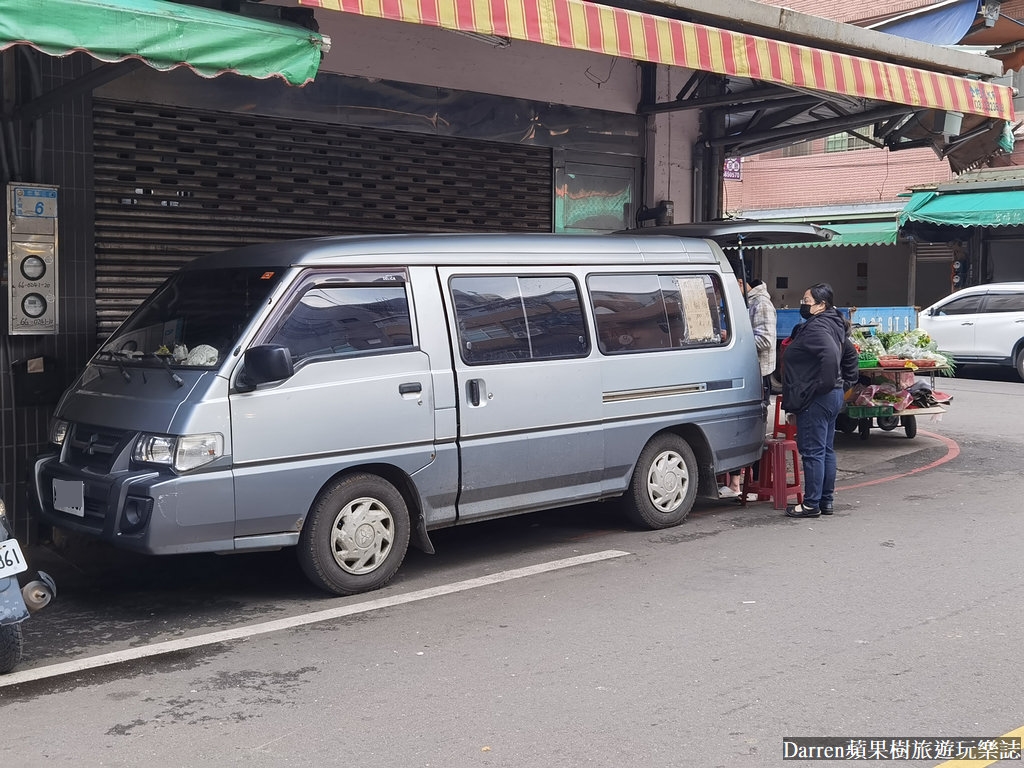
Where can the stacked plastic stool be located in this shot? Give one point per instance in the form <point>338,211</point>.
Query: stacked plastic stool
<point>778,472</point>
<point>782,427</point>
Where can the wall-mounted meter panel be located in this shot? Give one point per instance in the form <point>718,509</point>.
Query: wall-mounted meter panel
<point>32,289</point>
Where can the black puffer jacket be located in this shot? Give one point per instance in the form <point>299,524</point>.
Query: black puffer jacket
<point>819,358</point>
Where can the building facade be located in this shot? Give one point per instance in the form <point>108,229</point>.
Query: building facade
<point>406,127</point>
<point>844,178</point>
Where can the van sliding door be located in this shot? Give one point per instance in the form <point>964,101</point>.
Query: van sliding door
<point>529,394</point>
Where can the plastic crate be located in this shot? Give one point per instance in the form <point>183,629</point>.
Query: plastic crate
<point>869,362</point>
<point>868,411</point>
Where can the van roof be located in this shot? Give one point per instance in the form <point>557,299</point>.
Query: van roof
<point>736,233</point>
<point>464,249</point>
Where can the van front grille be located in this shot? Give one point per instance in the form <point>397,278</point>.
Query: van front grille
<point>96,448</point>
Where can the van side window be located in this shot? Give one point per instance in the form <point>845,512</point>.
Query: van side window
<point>646,313</point>
<point>508,318</point>
<point>965,305</point>
<point>1005,302</point>
<point>331,320</point>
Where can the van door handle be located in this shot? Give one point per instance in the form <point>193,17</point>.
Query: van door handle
<point>473,391</point>
<point>410,388</point>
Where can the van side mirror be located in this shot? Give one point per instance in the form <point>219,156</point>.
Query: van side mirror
<point>263,363</point>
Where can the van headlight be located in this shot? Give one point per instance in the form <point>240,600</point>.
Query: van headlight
<point>58,431</point>
<point>182,453</point>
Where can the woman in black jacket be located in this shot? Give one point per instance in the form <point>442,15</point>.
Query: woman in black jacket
<point>819,362</point>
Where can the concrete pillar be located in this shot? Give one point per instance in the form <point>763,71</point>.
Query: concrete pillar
<point>670,139</point>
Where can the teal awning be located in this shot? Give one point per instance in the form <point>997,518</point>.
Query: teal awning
<point>858,233</point>
<point>164,35</point>
<point>996,208</point>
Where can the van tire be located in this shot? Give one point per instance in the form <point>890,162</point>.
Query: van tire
<point>10,647</point>
<point>664,484</point>
<point>355,536</point>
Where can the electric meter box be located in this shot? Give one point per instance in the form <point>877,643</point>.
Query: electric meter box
<point>32,288</point>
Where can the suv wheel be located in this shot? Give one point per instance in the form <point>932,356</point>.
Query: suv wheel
<point>1019,363</point>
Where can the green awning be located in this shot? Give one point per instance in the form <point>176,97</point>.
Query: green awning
<point>164,35</point>
<point>996,208</point>
<point>858,233</point>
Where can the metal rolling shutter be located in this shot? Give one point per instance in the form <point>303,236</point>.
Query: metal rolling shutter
<point>172,184</point>
<point>934,251</point>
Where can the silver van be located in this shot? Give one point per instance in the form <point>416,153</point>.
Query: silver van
<point>348,395</point>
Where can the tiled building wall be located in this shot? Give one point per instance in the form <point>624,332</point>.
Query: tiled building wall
<point>830,178</point>
<point>56,150</point>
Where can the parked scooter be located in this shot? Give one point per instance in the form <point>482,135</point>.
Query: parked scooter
<point>17,603</point>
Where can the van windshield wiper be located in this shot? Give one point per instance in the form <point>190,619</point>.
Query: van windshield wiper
<point>167,366</point>
<point>118,357</point>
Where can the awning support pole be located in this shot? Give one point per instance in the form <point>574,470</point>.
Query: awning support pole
<point>739,102</point>
<point>782,136</point>
<point>84,84</point>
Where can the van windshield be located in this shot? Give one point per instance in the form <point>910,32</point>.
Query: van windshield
<point>194,319</point>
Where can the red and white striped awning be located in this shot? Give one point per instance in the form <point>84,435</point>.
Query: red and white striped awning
<point>646,37</point>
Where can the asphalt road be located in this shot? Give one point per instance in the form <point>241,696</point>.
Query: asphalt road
<point>703,645</point>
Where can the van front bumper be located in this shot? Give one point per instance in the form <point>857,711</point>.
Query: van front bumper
<point>141,510</point>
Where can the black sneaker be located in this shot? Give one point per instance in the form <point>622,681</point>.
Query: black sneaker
<point>826,509</point>
<point>799,510</point>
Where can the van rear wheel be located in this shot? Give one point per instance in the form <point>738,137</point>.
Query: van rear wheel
<point>356,535</point>
<point>664,484</point>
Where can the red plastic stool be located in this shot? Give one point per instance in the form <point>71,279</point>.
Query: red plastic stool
<point>782,427</point>
<point>773,481</point>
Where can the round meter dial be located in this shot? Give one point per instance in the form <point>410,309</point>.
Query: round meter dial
<point>33,305</point>
<point>33,267</point>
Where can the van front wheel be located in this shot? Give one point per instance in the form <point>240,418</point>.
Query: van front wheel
<point>356,535</point>
<point>664,484</point>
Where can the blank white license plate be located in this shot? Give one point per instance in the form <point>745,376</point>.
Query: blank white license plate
<point>11,559</point>
<point>69,496</point>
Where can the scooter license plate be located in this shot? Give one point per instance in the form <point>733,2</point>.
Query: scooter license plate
<point>11,559</point>
<point>69,496</point>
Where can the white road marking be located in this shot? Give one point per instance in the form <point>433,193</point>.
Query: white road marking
<point>227,635</point>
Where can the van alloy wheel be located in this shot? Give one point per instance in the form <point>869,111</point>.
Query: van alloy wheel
<point>356,535</point>
<point>664,484</point>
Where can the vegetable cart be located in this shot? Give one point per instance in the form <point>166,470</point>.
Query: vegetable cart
<point>887,417</point>
<point>889,394</point>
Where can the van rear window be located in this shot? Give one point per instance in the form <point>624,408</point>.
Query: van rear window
<point>647,313</point>
<point>509,318</point>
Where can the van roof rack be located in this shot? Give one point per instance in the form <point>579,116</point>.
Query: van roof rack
<point>734,233</point>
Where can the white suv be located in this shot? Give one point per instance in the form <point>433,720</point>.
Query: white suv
<point>980,325</point>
